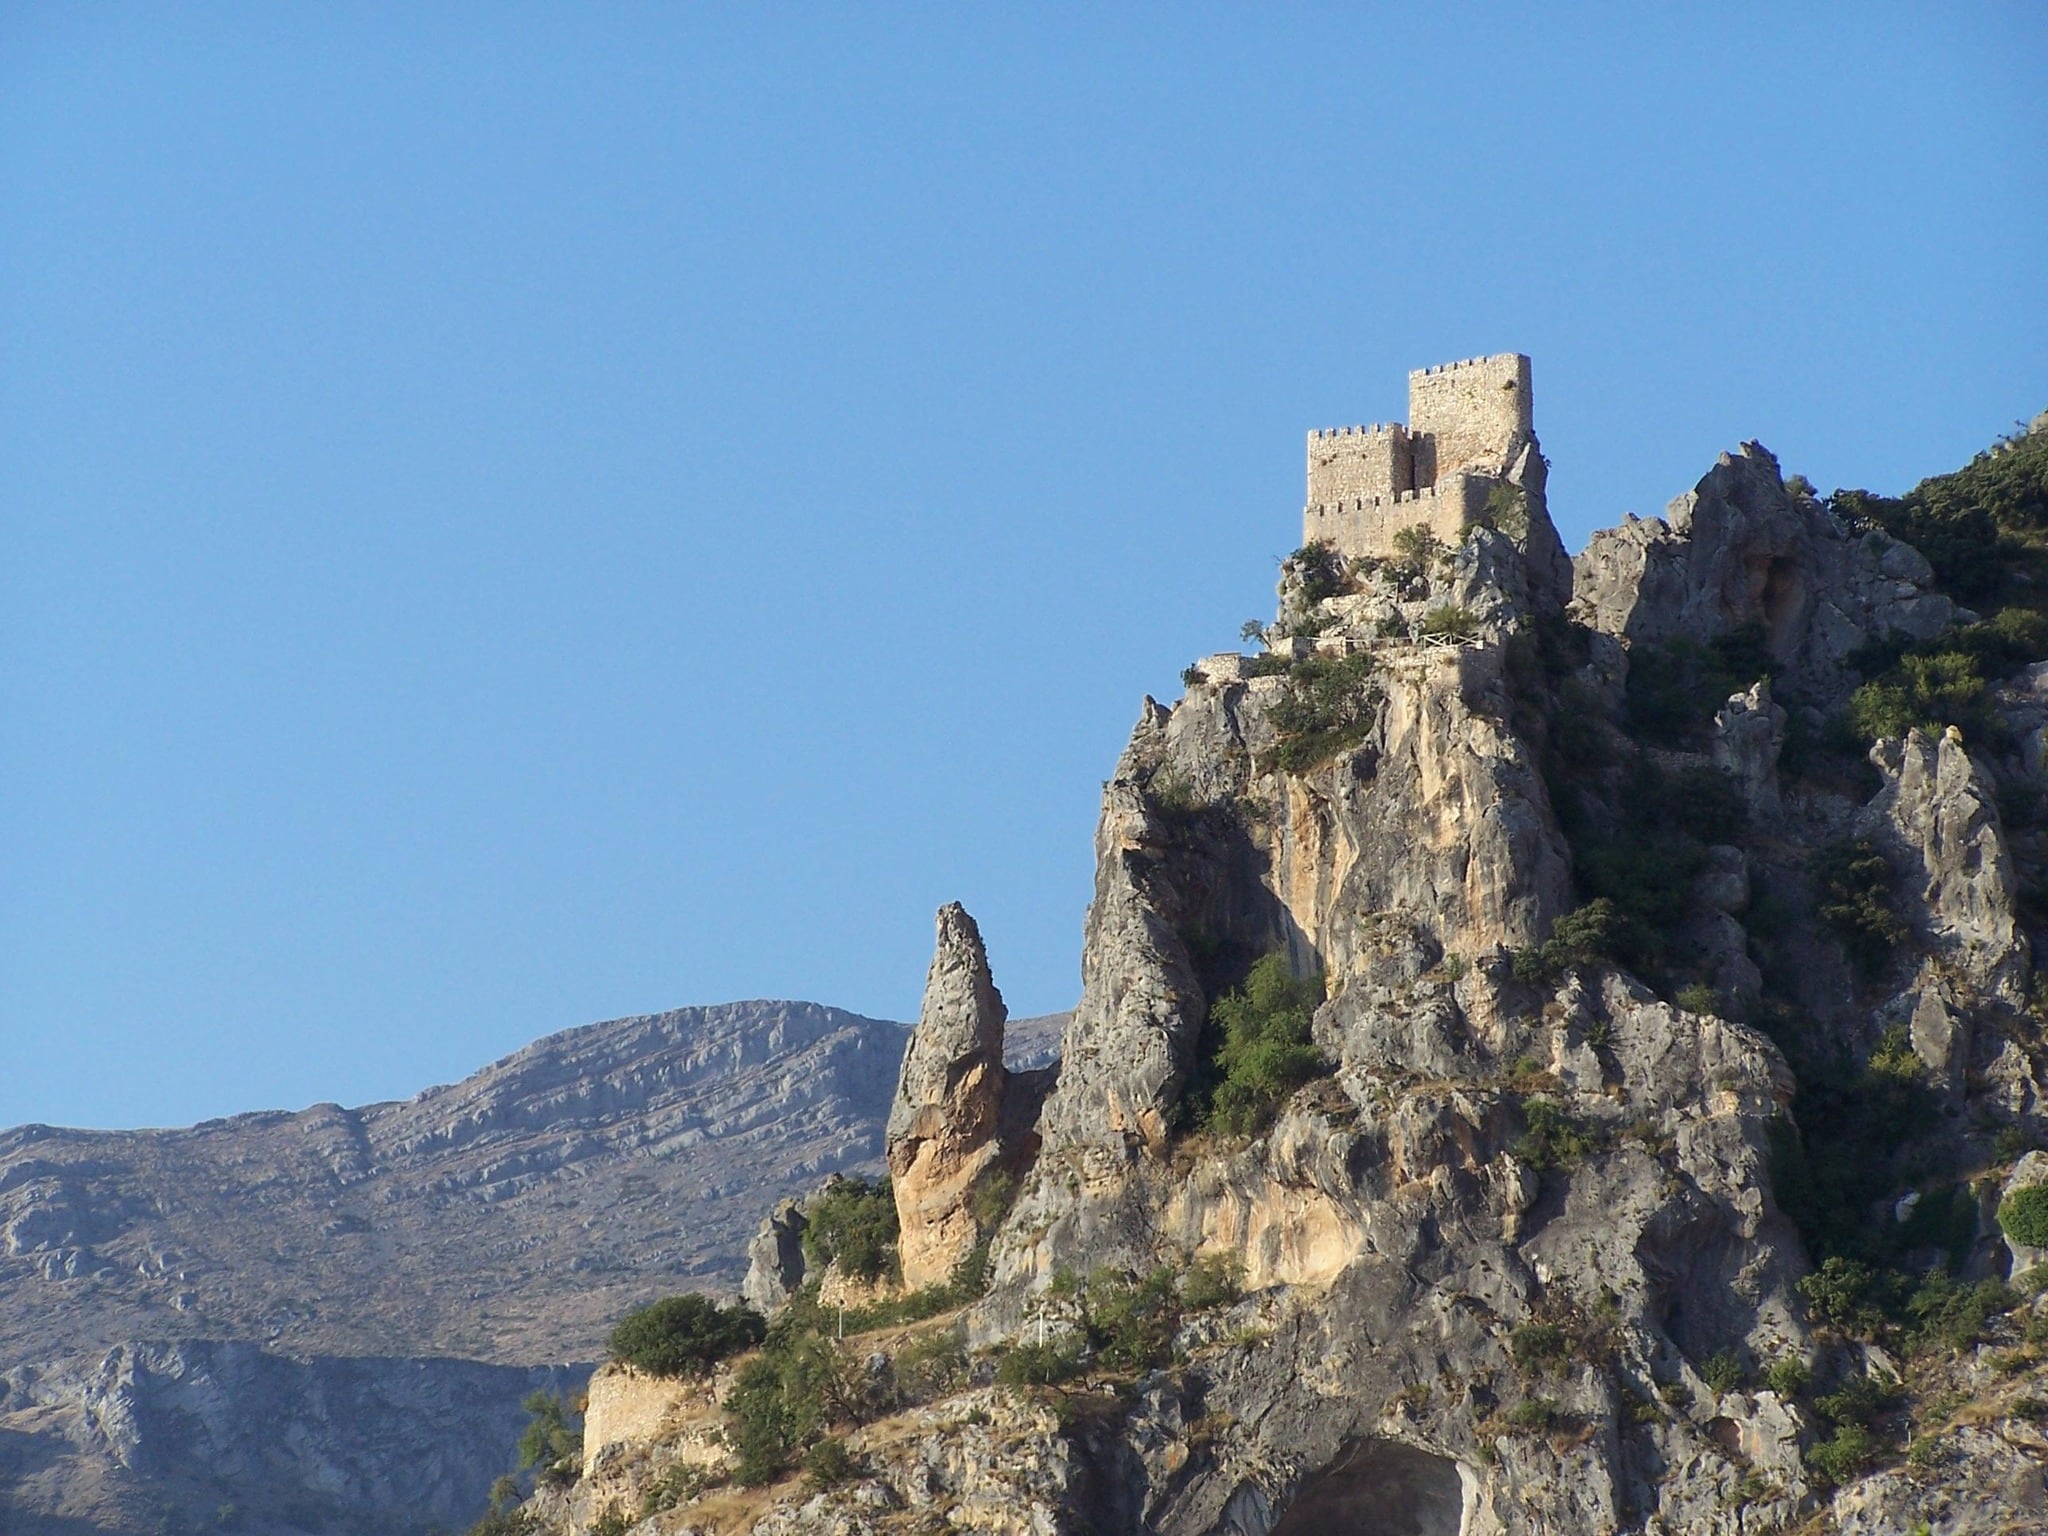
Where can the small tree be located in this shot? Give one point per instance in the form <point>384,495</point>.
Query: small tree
<point>685,1335</point>
<point>1261,1051</point>
<point>550,1443</point>
<point>853,1224</point>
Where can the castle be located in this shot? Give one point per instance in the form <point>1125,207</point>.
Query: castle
<point>1467,423</point>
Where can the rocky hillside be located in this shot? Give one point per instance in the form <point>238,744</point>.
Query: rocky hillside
<point>391,1280</point>
<point>1559,1052</point>
<point>509,1217</point>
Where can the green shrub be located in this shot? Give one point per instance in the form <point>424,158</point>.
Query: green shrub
<point>1555,1138</point>
<point>1927,691</point>
<point>1130,1322</point>
<point>1538,1347</point>
<point>1416,549</point>
<point>993,1195</point>
<point>931,1367</point>
<point>1860,1400</point>
<point>1843,1292</point>
<point>829,1463</point>
<point>1725,1371</point>
<point>852,1223</point>
<point>1319,570</point>
<point>1450,621</point>
<point>685,1335</point>
<point>782,1401</point>
<point>1966,522</point>
<point>612,1520</point>
<point>1698,998</point>
<point>1675,689</point>
<point>1536,1415</point>
<point>1854,888</point>
<point>1328,707</point>
<point>1039,1365</point>
<point>2023,1216</point>
<point>551,1443</point>
<point>1216,1281</point>
<point>1843,1454</point>
<point>1788,1377</point>
<point>682,1481</point>
<point>1590,935</point>
<point>1507,509</point>
<point>1957,1316</point>
<point>1256,1049</point>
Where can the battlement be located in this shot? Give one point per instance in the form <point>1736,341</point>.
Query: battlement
<point>1345,463</point>
<point>1473,414</point>
<point>1466,422</point>
<point>1366,525</point>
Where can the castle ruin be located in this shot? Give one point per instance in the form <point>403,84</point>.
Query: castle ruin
<point>1467,423</point>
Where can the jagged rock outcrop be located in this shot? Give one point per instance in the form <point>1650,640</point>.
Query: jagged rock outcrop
<point>1738,551</point>
<point>942,1136</point>
<point>1938,816</point>
<point>1749,735</point>
<point>775,1257</point>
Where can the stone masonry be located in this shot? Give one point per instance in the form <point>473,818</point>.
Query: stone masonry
<point>1466,423</point>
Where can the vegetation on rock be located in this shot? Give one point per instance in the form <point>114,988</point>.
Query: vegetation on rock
<point>684,1335</point>
<point>852,1223</point>
<point>1256,1049</point>
<point>2023,1216</point>
<point>1328,707</point>
<point>551,1444</point>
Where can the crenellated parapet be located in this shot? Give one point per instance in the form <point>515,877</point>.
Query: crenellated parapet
<point>1466,423</point>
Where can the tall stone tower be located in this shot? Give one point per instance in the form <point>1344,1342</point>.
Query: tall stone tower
<point>1467,422</point>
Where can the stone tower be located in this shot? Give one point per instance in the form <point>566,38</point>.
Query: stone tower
<point>1467,422</point>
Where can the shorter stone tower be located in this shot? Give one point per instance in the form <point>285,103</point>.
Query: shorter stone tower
<point>1467,423</point>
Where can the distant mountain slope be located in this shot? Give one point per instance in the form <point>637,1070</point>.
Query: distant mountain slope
<point>508,1218</point>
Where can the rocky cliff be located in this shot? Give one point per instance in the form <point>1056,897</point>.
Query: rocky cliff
<point>1556,1050</point>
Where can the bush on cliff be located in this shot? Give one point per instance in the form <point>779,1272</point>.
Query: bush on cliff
<point>1256,1049</point>
<point>1853,900</point>
<point>1319,571</point>
<point>551,1444</point>
<point>1327,708</point>
<point>783,1401</point>
<point>853,1224</point>
<point>2023,1216</point>
<point>685,1335</point>
<point>1975,525</point>
<point>1675,688</point>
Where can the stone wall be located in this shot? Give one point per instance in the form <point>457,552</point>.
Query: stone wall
<point>629,1405</point>
<point>1469,413</point>
<point>1366,525</point>
<point>1346,463</point>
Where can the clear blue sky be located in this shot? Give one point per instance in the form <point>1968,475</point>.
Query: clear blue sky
<point>516,515</point>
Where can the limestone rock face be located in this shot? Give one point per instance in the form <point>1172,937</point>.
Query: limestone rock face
<point>1508,1252</point>
<point>944,1124</point>
<point>1738,551</point>
<point>775,1257</point>
<point>1749,733</point>
<point>1938,814</point>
